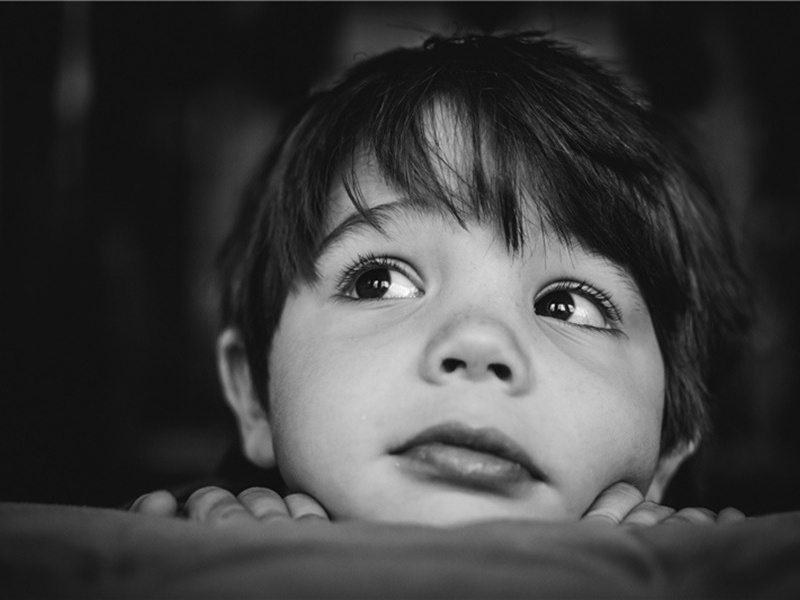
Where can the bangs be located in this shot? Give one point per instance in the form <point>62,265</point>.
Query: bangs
<point>509,143</point>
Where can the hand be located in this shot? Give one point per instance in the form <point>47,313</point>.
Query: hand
<point>623,504</point>
<point>158,504</point>
<point>217,506</point>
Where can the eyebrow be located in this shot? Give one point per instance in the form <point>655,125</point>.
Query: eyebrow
<point>374,218</point>
<point>624,276</point>
<point>623,273</point>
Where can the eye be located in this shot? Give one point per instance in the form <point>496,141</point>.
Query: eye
<point>578,304</point>
<point>383,283</point>
<point>379,278</point>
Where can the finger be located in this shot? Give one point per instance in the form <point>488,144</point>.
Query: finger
<point>264,504</point>
<point>216,506</point>
<point>648,513</point>
<point>137,504</point>
<point>697,516</point>
<point>160,503</point>
<point>614,504</point>
<point>303,506</point>
<point>730,515</point>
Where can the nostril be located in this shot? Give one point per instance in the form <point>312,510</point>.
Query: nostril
<point>502,372</point>
<point>452,364</point>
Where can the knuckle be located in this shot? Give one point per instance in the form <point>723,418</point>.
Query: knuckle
<point>731,514</point>
<point>627,489</point>
<point>264,504</point>
<point>660,509</point>
<point>202,501</point>
<point>302,505</point>
<point>615,503</point>
<point>696,515</point>
<point>304,500</point>
<point>204,492</point>
<point>312,517</point>
<point>649,513</point>
<point>297,497</point>
<point>224,512</point>
<point>603,515</point>
<point>160,502</point>
<point>138,503</point>
<point>255,493</point>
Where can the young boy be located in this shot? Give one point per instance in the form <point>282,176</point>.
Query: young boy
<point>475,280</point>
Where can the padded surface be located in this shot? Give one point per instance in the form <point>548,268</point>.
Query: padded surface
<point>62,551</point>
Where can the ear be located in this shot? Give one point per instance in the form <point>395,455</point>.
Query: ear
<point>240,393</point>
<point>667,467</point>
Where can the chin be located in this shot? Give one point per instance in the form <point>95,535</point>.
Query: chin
<point>462,510</point>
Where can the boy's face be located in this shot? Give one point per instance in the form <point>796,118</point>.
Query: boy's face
<point>430,376</point>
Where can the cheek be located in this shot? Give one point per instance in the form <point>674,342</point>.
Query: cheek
<point>634,426</point>
<point>609,420</point>
<point>292,399</point>
<point>325,401</point>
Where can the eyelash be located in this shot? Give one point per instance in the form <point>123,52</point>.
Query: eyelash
<point>364,262</point>
<point>347,280</point>
<point>601,299</point>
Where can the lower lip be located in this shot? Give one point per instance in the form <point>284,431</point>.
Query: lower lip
<point>465,467</point>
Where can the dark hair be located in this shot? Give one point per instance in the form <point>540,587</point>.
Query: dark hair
<point>547,129</point>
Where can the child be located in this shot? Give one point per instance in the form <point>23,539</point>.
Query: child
<point>475,280</point>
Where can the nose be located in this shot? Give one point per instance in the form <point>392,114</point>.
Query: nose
<point>476,350</point>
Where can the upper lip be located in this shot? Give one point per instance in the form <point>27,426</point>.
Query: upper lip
<point>480,439</point>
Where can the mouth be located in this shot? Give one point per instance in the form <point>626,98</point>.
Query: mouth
<point>485,459</point>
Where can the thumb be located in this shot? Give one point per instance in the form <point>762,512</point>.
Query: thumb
<point>614,504</point>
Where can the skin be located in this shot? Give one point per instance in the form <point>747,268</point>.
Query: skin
<point>464,336</point>
<point>584,398</point>
<point>351,378</point>
<point>621,504</point>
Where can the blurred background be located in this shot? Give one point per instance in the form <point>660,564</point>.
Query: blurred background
<point>127,132</point>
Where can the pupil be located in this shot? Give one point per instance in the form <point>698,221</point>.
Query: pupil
<point>560,305</point>
<point>373,284</point>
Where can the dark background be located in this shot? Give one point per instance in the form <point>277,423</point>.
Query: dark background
<point>127,131</point>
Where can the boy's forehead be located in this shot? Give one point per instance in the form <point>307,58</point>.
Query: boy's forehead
<point>371,191</point>
<point>369,198</point>
<point>373,204</point>
<point>377,205</point>
<point>448,152</point>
